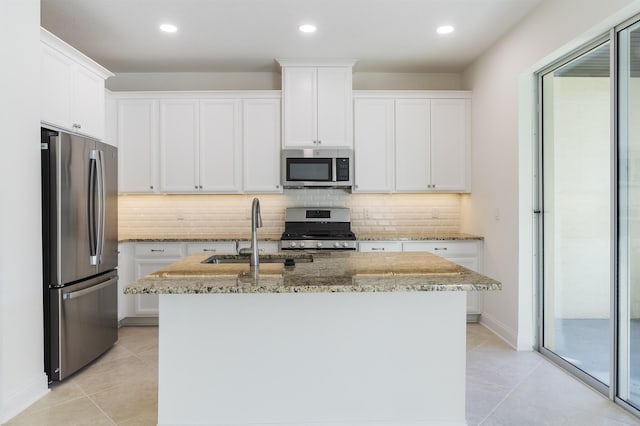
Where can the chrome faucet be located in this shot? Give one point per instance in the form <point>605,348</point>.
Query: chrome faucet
<point>256,222</point>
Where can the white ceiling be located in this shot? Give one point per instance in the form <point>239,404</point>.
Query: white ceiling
<point>247,35</point>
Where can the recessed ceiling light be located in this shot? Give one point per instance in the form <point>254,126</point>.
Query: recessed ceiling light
<point>445,29</point>
<point>168,28</point>
<point>307,28</point>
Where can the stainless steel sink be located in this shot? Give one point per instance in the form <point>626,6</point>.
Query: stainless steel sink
<point>287,259</point>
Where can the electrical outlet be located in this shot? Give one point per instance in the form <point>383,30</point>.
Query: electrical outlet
<point>435,213</point>
<point>366,213</point>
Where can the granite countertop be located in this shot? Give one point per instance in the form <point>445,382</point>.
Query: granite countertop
<point>328,273</point>
<point>386,236</point>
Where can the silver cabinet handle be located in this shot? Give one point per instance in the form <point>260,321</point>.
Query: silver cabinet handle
<point>157,250</point>
<point>212,250</point>
<point>377,248</point>
<point>440,248</point>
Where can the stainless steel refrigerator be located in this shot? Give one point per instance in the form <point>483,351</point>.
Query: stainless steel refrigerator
<point>79,250</point>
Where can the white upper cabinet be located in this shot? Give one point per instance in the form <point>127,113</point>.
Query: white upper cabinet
<point>220,155</point>
<point>373,145</point>
<point>317,105</point>
<point>450,144</point>
<point>178,145</point>
<point>412,141</point>
<point>200,146</point>
<point>198,142</point>
<point>413,138</point>
<point>72,87</point>
<point>137,130</point>
<point>261,143</point>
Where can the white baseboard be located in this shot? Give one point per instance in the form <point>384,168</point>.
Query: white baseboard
<point>30,392</point>
<point>500,329</point>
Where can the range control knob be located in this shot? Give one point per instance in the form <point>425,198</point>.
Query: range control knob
<point>319,244</point>
<point>293,244</point>
<point>301,245</point>
<point>336,245</point>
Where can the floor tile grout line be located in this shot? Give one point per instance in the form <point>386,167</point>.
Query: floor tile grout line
<point>101,410</point>
<point>493,410</point>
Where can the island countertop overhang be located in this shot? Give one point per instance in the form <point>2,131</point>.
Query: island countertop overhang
<point>330,272</point>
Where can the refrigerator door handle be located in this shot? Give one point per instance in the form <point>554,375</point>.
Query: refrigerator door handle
<point>102,202</point>
<point>91,210</point>
<point>85,291</point>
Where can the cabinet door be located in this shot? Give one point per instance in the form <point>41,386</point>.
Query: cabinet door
<point>373,145</point>
<point>147,304</point>
<point>212,247</point>
<point>125,277</point>
<point>220,159</point>
<point>449,144</point>
<point>261,143</point>
<point>149,257</point>
<point>178,146</point>
<point>413,156</point>
<point>137,145</point>
<point>334,118</point>
<point>56,86</point>
<point>88,102</point>
<point>299,106</point>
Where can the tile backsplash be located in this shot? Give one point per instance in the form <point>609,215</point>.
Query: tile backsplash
<point>229,216</point>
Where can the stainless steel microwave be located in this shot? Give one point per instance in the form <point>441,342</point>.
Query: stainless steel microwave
<point>313,167</point>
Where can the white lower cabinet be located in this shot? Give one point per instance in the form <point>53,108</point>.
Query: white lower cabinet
<point>217,247</point>
<point>136,260</point>
<point>466,253</point>
<point>149,257</point>
<point>463,253</point>
<point>379,246</point>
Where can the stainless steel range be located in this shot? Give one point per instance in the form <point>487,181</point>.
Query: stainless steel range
<point>318,228</point>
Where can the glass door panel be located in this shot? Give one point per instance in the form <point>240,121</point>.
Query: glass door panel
<point>629,215</point>
<point>576,186</point>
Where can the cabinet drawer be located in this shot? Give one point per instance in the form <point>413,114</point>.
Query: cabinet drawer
<point>159,250</point>
<point>263,246</point>
<point>215,247</point>
<point>379,246</point>
<point>443,248</point>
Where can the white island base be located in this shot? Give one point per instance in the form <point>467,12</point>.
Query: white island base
<point>313,359</point>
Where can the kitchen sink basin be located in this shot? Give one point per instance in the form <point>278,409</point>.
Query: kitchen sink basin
<point>287,259</point>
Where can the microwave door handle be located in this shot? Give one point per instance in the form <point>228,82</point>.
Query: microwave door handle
<point>334,177</point>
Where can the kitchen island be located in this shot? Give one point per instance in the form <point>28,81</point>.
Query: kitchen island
<point>347,339</point>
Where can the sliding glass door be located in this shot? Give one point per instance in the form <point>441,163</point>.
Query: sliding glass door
<point>629,215</point>
<point>576,204</point>
<point>589,200</point>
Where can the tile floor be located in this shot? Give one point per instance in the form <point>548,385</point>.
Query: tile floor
<point>504,387</point>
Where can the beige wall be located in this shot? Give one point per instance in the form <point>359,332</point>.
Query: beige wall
<point>22,379</point>
<point>229,217</point>
<point>272,81</point>
<point>503,117</point>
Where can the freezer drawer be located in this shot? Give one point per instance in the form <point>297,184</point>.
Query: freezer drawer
<point>84,323</point>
